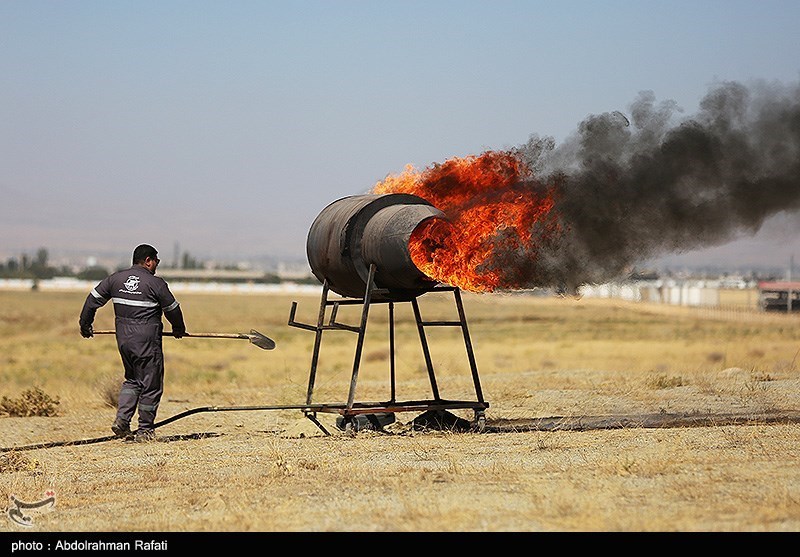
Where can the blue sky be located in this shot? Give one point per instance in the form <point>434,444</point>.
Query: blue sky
<point>227,126</point>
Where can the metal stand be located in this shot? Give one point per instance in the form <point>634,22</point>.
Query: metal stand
<point>351,408</point>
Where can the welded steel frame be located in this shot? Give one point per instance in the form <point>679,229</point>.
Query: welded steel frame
<point>352,408</point>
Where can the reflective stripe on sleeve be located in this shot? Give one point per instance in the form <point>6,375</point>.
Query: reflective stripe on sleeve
<point>137,303</point>
<point>172,306</point>
<point>97,294</point>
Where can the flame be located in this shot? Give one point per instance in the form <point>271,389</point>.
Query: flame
<point>494,207</point>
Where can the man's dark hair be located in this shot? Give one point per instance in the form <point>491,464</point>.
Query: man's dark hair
<point>142,252</point>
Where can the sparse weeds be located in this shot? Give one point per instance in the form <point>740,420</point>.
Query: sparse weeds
<point>18,462</point>
<point>665,382</point>
<point>732,437</point>
<point>32,402</point>
<point>755,386</point>
<point>453,467</point>
<point>308,464</point>
<point>282,467</point>
<point>627,466</point>
<point>157,471</point>
<point>542,443</point>
<point>108,389</point>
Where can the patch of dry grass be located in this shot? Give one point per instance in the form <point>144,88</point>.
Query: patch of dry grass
<point>537,357</point>
<point>32,402</point>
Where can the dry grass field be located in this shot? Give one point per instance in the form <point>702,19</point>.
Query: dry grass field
<point>597,367</point>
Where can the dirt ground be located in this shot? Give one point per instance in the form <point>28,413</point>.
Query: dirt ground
<point>601,418</point>
<point>277,471</point>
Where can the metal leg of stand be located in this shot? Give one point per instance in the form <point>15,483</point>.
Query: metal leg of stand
<point>361,333</point>
<point>425,350</point>
<point>392,368</point>
<point>317,342</point>
<point>468,343</point>
<point>351,409</point>
<point>313,417</point>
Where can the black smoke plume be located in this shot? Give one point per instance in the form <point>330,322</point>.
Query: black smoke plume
<point>633,187</point>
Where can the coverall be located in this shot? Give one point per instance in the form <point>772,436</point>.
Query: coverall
<point>139,298</point>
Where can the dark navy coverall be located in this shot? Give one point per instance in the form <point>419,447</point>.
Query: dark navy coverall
<point>139,298</point>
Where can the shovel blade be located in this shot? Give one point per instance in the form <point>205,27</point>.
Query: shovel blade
<point>262,341</point>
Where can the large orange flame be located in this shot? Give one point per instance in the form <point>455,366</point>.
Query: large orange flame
<point>493,206</point>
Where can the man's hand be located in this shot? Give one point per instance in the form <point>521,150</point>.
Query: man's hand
<point>87,331</point>
<point>178,333</point>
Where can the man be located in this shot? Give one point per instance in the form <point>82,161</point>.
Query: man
<point>139,299</point>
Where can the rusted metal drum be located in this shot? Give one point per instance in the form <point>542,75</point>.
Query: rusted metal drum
<point>354,232</point>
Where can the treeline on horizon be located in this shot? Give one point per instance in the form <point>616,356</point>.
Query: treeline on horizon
<point>38,267</point>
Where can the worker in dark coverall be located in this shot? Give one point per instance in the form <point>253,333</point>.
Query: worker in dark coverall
<point>139,298</point>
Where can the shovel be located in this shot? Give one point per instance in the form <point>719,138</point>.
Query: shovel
<point>260,340</point>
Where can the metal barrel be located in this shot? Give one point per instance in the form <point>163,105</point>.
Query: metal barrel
<point>354,232</point>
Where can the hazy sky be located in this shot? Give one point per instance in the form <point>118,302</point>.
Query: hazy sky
<point>228,126</point>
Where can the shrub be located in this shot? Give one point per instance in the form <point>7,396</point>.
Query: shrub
<point>32,402</point>
<point>16,462</point>
<point>664,382</point>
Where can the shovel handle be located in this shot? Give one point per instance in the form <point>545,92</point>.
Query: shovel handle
<point>170,334</point>
<point>260,340</point>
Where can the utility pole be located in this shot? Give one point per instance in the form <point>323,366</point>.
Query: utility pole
<point>789,293</point>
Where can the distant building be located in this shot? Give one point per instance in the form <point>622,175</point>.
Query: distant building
<point>212,274</point>
<point>681,292</point>
<point>294,271</point>
<point>775,295</point>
